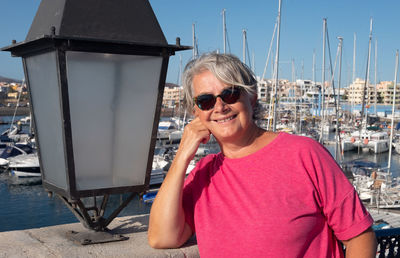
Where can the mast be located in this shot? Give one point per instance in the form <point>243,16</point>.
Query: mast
<point>244,46</point>
<point>194,54</point>
<point>367,72</point>
<point>393,106</point>
<point>224,29</point>
<point>354,72</point>
<point>376,61</point>
<point>338,146</point>
<point>269,52</point>
<point>276,66</point>
<point>354,57</point>
<point>323,82</point>
<point>180,125</point>
<point>253,65</point>
<point>365,86</point>
<point>313,79</point>
<point>294,97</point>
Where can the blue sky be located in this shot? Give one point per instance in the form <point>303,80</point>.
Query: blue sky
<point>301,32</point>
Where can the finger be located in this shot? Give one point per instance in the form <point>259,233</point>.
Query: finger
<point>206,139</point>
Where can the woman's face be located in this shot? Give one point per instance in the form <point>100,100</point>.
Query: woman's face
<point>227,122</point>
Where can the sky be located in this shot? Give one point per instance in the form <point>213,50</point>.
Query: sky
<point>301,34</point>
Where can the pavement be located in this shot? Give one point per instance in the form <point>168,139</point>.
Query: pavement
<point>53,242</point>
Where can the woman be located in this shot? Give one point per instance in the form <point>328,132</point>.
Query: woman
<point>265,194</point>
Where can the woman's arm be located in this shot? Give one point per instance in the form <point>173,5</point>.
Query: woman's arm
<point>363,245</point>
<point>167,226</point>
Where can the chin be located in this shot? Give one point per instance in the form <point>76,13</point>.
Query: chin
<point>226,134</point>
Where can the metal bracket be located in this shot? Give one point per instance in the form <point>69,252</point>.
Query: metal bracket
<point>92,218</point>
<point>93,237</point>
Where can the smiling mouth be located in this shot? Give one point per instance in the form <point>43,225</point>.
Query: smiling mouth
<point>226,119</point>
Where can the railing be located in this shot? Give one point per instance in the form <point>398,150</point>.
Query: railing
<point>388,242</point>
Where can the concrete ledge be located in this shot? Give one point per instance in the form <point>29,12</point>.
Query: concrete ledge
<point>52,242</point>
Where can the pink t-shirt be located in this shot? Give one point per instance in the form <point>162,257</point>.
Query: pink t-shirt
<point>289,199</point>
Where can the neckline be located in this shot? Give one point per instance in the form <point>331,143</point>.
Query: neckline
<point>256,153</point>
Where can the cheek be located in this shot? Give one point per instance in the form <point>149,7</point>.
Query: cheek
<point>248,107</point>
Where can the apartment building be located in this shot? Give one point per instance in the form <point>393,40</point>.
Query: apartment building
<point>265,88</point>
<point>383,92</point>
<point>172,95</point>
<point>355,92</point>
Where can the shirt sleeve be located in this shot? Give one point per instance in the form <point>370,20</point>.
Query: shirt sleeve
<point>345,213</point>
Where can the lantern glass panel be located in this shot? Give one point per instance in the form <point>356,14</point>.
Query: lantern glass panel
<point>112,107</point>
<point>45,93</point>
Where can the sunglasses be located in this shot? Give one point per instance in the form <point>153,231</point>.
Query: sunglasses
<point>207,101</point>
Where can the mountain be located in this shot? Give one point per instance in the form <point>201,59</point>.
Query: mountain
<point>171,85</point>
<point>8,80</point>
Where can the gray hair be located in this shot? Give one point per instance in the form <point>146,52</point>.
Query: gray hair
<point>225,67</point>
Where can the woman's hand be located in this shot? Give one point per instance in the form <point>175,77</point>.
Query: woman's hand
<point>194,134</point>
<point>167,226</point>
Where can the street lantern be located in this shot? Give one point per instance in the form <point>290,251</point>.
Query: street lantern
<point>96,72</point>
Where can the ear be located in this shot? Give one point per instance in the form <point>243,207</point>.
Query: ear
<point>195,112</point>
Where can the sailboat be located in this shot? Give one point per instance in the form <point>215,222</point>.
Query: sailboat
<point>384,190</point>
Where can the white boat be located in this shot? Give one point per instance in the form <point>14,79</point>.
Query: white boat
<point>25,165</point>
<point>24,174</point>
<point>374,141</point>
<point>168,132</point>
<point>13,150</point>
<point>161,159</point>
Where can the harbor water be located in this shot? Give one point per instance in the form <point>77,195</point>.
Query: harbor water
<point>25,204</point>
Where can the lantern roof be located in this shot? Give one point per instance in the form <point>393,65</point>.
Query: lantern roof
<point>128,21</point>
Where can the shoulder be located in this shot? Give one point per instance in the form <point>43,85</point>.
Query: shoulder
<point>296,141</point>
<point>200,175</point>
<point>302,147</point>
<point>208,160</point>
<point>205,163</point>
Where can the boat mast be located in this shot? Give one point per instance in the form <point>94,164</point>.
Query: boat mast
<point>224,29</point>
<point>354,73</point>
<point>244,45</point>
<point>294,97</point>
<point>376,61</point>
<point>354,57</point>
<point>314,84</point>
<point>366,75</point>
<point>253,65</point>
<point>194,54</point>
<point>276,66</point>
<point>365,87</point>
<point>323,81</point>
<point>393,106</point>
<point>269,52</point>
<point>180,125</point>
<point>338,146</point>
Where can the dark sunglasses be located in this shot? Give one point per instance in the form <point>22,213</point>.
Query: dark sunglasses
<point>207,101</point>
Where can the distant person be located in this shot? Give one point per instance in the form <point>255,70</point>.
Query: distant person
<point>265,194</point>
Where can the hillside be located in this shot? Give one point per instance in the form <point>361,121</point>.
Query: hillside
<point>8,80</point>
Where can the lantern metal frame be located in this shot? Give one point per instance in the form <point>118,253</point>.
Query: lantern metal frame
<point>92,217</point>
<point>61,46</point>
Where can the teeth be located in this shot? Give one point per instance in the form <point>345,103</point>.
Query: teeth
<point>226,119</point>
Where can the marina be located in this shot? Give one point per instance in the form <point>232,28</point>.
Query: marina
<point>110,125</point>
<point>29,206</point>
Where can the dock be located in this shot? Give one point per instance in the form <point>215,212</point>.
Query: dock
<point>392,217</point>
<point>52,242</point>
<point>9,111</point>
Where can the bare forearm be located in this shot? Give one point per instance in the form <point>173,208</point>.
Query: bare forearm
<point>364,245</point>
<point>167,219</point>
<point>167,227</point>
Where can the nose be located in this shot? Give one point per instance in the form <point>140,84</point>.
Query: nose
<point>220,105</point>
